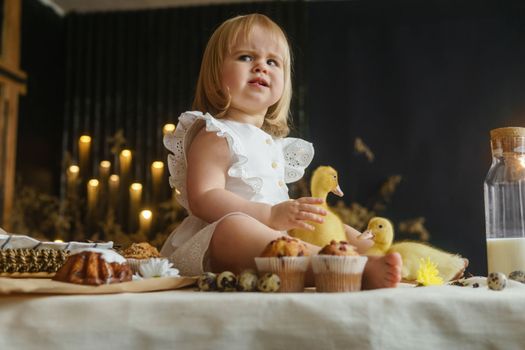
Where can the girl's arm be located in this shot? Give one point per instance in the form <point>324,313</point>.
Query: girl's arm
<point>208,162</point>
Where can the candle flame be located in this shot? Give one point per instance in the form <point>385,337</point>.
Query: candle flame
<point>168,128</point>
<point>85,139</point>
<point>74,169</point>
<point>136,186</point>
<point>157,165</point>
<point>146,214</point>
<point>93,183</point>
<point>105,164</point>
<point>126,153</point>
<point>114,178</point>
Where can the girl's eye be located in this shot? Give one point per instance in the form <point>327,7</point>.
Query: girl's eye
<point>245,58</point>
<point>272,62</point>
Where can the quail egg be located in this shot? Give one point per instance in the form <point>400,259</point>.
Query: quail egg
<point>227,281</point>
<point>517,276</point>
<point>497,281</point>
<point>269,282</point>
<point>247,281</point>
<point>207,282</point>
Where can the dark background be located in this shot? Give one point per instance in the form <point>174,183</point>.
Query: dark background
<point>422,83</point>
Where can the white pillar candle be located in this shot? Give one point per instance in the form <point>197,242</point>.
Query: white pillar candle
<point>145,219</point>
<point>168,128</point>
<point>114,186</point>
<point>84,148</point>
<point>135,196</point>
<point>92,199</point>
<point>157,173</point>
<point>72,178</point>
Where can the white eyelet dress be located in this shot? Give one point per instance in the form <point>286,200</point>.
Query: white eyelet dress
<point>261,166</point>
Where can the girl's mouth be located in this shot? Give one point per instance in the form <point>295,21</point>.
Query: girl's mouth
<point>259,82</point>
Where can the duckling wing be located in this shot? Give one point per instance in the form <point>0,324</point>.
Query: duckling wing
<point>331,229</point>
<point>304,235</point>
<point>449,265</point>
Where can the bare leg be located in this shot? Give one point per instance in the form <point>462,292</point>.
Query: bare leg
<point>238,239</point>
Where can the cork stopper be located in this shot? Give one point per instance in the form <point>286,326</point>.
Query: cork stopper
<point>507,132</point>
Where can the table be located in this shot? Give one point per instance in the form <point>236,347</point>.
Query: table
<point>441,317</point>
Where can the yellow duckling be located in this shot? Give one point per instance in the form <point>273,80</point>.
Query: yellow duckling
<point>324,180</point>
<point>381,231</point>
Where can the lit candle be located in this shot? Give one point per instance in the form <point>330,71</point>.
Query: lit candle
<point>72,178</point>
<point>114,184</point>
<point>105,166</point>
<point>103,170</point>
<point>135,195</point>
<point>157,172</point>
<point>168,128</point>
<point>92,198</point>
<point>92,192</point>
<point>145,219</point>
<point>84,145</point>
<point>125,162</point>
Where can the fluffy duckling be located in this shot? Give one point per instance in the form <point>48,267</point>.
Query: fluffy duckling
<point>381,231</point>
<point>324,180</point>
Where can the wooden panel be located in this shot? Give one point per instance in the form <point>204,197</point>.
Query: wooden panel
<point>12,85</point>
<point>11,34</point>
<point>9,124</point>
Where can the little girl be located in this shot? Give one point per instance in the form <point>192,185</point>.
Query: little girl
<point>231,160</point>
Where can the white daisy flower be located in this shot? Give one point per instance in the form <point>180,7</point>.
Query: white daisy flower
<point>156,267</point>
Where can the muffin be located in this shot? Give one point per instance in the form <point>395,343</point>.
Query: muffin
<point>288,258</point>
<point>139,253</point>
<point>338,268</point>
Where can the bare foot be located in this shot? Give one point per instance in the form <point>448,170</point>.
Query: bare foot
<point>382,271</point>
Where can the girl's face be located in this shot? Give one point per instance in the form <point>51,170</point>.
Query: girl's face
<point>253,73</point>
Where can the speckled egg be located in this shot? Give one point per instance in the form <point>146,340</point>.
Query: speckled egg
<point>497,281</point>
<point>227,281</point>
<point>269,282</point>
<point>207,282</point>
<point>517,276</point>
<point>247,281</point>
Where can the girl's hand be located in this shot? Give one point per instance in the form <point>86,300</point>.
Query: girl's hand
<point>295,214</point>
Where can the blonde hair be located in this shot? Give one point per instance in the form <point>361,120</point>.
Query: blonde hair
<point>210,96</point>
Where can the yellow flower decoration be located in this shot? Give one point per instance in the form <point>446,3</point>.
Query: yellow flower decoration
<point>428,274</point>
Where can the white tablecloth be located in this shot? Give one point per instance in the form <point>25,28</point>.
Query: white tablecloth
<point>444,317</point>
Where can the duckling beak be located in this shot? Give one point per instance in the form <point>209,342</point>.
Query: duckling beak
<point>366,235</point>
<point>337,191</point>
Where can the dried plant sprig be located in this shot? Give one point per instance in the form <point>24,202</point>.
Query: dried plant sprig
<point>415,227</point>
<point>361,148</point>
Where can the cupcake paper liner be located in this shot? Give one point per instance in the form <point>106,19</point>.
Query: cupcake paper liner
<point>338,273</point>
<point>135,263</point>
<point>290,270</point>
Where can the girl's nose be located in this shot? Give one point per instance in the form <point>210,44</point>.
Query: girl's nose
<point>260,67</point>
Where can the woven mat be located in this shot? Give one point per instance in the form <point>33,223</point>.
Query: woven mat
<point>48,286</point>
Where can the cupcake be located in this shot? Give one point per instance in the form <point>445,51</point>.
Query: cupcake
<point>139,253</point>
<point>338,268</point>
<point>288,258</point>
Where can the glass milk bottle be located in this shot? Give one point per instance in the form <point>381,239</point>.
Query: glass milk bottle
<point>505,201</point>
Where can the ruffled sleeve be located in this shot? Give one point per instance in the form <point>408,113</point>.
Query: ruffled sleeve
<point>174,142</point>
<point>298,154</point>
<point>178,141</point>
